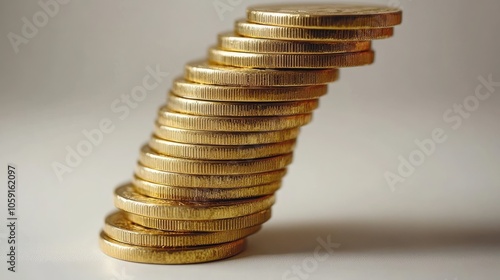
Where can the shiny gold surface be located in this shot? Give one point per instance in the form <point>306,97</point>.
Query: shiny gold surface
<point>206,73</point>
<point>129,200</point>
<point>119,228</point>
<point>202,225</point>
<point>239,109</point>
<point>334,15</point>
<point>151,159</point>
<point>219,152</point>
<point>155,255</point>
<point>221,145</point>
<point>310,34</point>
<point>173,119</point>
<point>208,137</point>
<point>188,89</point>
<point>201,194</point>
<point>230,41</point>
<point>288,61</point>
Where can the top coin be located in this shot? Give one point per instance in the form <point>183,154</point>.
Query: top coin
<point>326,16</point>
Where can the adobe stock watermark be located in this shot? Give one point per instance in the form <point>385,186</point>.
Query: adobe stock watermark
<point>122,108</point>
<point>454,117</point>
<point>30,28</point>
<point>309,265</point>
<point>223,6</point>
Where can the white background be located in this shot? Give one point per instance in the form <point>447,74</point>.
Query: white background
<point>442,222</point>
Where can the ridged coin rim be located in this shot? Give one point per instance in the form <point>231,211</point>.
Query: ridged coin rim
<point>152,255</point>
<point>202,194</point>
<point>119,228</point>
<point>308,34</point>
<point>128,200</point>
<point>205,225</point>
<point>220,152</point>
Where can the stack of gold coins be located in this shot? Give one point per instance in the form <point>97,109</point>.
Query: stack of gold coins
<point>222,143</point>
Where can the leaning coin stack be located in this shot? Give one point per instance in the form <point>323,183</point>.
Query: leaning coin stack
<point>222,143</point>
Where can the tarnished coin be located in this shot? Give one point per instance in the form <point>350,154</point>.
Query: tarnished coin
<point>201,194</point>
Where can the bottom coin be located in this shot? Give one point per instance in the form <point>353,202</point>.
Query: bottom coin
<point>200,225</point>
<point>158,255</point>
<point>119,228</point>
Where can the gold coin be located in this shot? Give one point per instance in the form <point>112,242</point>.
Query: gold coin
<point>233,42</point>
<point>150,158</point>
<point>201,194</point>
<point>224,137</point>
<point>265,60</point>
<point>206,73</point>
<point>239,109</point>
<point>156,255</point>
<point>129,200</point>
<point>219,152</point>
<point>336,16</point>
<point>207,225</point>
<point>207,181</point>
<point>309,34</point>
<point>233,124</point>
<point>197,91</point>
<point>119,228</point>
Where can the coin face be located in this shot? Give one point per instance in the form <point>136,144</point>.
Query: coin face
<point>334,9</point>
<point>326,16</point>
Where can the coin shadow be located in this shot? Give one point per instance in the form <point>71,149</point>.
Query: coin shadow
<point>369,237</point>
